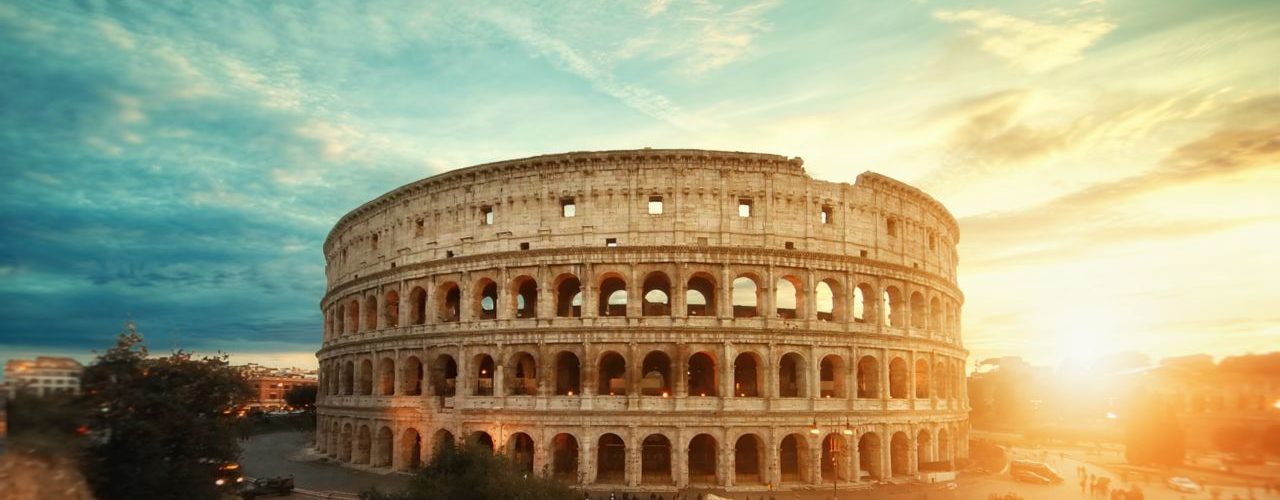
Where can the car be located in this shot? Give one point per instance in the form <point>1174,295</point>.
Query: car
<point>226,475</point>
<point>279,485</point>
<point>1183,484</point>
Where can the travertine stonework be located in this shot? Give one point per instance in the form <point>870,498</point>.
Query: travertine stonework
<point>650,318</point>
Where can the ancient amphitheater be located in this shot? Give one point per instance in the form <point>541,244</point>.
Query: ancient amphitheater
<point>648,318</point>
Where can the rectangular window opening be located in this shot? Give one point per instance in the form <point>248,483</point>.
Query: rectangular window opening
<point>826,215</point>
<point>744,207</point>
<point>487,213</point>
<point>891,227</point>
<point>448,254</point>
<point>420,228</point>
<point>611,242</point>
<point>655,205</point>
<point>567,207</point>
<point>524,245</point>
<point>790,245</point>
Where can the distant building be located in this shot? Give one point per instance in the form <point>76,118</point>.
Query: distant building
<point>43,376</point>
<point>271,384</point>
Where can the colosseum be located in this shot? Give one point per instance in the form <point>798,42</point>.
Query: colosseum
<point>648,319</point>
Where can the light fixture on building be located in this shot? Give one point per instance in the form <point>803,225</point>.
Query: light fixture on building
<point>814,430</point>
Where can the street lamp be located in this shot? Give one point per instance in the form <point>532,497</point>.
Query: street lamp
<point>836,451</point>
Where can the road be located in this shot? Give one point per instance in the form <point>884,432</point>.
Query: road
<point>282,453</point>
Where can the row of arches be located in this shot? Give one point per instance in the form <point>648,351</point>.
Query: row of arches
<point>748,294</point>
<point>796,457</point>
<point>791,375</point>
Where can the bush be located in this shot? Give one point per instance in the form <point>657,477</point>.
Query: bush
<point>475,473</point>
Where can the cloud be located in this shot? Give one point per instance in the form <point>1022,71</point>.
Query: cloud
<point>1030,45</point>
<point>724,36</point>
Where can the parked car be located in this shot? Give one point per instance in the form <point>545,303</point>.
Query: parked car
<point>226,475</point>
<point>279,485</point>
<point>1183,484</point>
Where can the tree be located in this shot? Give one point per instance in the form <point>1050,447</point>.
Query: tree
<point>475,473</point>
<point>157,425</point>
<point>303,396</point>
<point>1152,434</point>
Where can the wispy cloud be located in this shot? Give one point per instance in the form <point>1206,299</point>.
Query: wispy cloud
<point>1033,45</point>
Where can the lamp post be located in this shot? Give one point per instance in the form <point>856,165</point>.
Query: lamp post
<point>837,448</point>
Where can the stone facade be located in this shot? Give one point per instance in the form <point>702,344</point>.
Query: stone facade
<point>649,318</point>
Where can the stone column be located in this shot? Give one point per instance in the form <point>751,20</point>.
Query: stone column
<point>633,466</point>
<point>680,459</point>
<point>546,294</point>
<point>679,300</point>
<point>505,304</point>
<point>724,303</point>
<point>808,305</point>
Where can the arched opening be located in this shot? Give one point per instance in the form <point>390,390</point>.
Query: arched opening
<point>442,440</point>
<point>481,440</point>
<point>702,375</point>
<point>748,460</point>
<point>892,307</point>
<point>385,447</point>
<point>655,374</point>
<point>366,378</point>
<point>703,451</point>
<point>520,451</point>
<point>335,441</point>
<point>898,379</point>
<point>411,449</point>
<point>526,293</point>
<point>564,457</point>
<point>391,309</point>
<point>370,313</point>
<point>833,456</point>
<point>952,326</point>
<point>868,378</point>
<point>922,379</point>
<point>346,450</point>
<point>411,379</point>
<point>940,380</point>
<point>787,297</point>
<point>612,375</point>
<point>522,375</point>
<point>700,296</point>
<point>386,377</point>
<point>899,447</point>
<point>918,312</point>
<point>450,298</point>
<point>353,316</point>
<point>611,460</point>
<point>831,375</point>
<point>869,456</point>
<point>944,448</point>
<point>923,442</point>
<point>568,374</point>
<point>655,460</point>
<point>418,305</point>
<point>746,297</point>
<point>328,324</point>
<point>613,297</point>
<point>348,378</point>
<point>364,445</point>
<point>486,300</point>
<point>746,375</point>
<point>791,376</point>
<point>484,368</point>
<point>793,459</point>
<point>657,294</point>
<point>935,315</point>
<point>341,316</point>
<point>826,298</point>
<point>568,297</point>
<point>444,376</point>
<point>864,303</point>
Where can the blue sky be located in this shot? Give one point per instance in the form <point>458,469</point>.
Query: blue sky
<point>1113,164</point>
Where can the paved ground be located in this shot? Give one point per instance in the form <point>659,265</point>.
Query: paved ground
<point>282,453</point>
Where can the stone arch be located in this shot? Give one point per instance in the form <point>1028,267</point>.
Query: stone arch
<point>655,374</point>
<point>366,377</point>
<point>444,376</point>
<point>386,377</point>
<point>341,317</point>
<point>748,460</point>
<point>522,375</point>
<point>448,302</point>
<point>892,307</point>
<point>831,377</point>
<point>524,293</point>
<point>864,303</point>
<point>655,460</point>
<point>703,456</point>
<point>700,295</point>
<point>899,447</point>
<point>702,374</point>
<point>370,313</point>
<point>353,316</point>
<point>788,297</point>
<point>613,295</point>
<point>385,447</point>
<point>746,296</point>
<point>412,374</point>
<point>829,300</point>
<point>484,373</point>
<point>898,378</point>
<point>747,376</point>
<point>568,374</point>
<point>611,460</point>
<point>791,376</point>
<point>391,309</point>
<point>520,450</point>
<point>935,315</point>
<point>869,454</point>
<point>834,453</point>
<point>328,324</point>
<point>922,378</point>
<point>919,314</point>
<point>611,372</point>
<point>923,443</point>
<point>656,294</point>
<point>485,301</point>
<point>346,450</point>
<point>568,296</point>
<point>418,305</point>
<point>348,378</point>
<point>940,380</point>
<point>481,440</point>
<point>868,378</point>
<point>364,445</point>
<point>564,457</point>
<point>944,446</point>
<point>793,459</point>
<point>335,440</point>
<point>410,449</point>
<point>443,439</point>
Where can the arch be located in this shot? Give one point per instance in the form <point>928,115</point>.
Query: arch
<point>520,450</point>
<point>868,378</point>
<point>833,454</point>
<point>525,291</point>
<point>656,294</point>
<point>702,458</point>
<point>892,307</point>
<point>442,440</point>
<point>385,447</point>
<point>655,460</point>
<point>613,296</point>
<point>484,368</point>
<point>568,296</point>
<point>944,448</point>
<point>700,295</point>
<point>899,462</point>
<point>747,379</point>
<point>370,313</point>
<point>702,375</point>
<point>746,296</point>
<point>410,449</point>
<point>335,440</point>
<point>366,377</point>
<point>612,371</point>
<point>444,376</point>
<point>522,375</point>
<point>611,460</point>
<point>791,380</point>
<point>655,372</point>
<point>346,449</point>
<point>828,300</point>
<point>418,305</point>
<point>353,316</point>
<point>486,299</point>
<point>793,459</point>
<point>952,326</point>
<point>922,378</point>
<point>831,377</point>
<point>482,440</point>
<point>449,299</point>
<point>348,378</point>
<point>386,377</point>
<point>898,379</point>
<point>869,456</point>
<point>788,297</point>
<point>918,311</point>
<point>341,316</point>
<point>411,377</point>
<point>328,324</point>
<point>364,445</point>
<point>568,374</point>
<point>391,309</point>
<point>864,303</point>
<point>923,442</point>
<point>748,460</point>
<point>940,380</point>
<point>564,457</point>
<point>935,315</point>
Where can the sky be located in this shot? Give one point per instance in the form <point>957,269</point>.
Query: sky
<point>1114,165</point>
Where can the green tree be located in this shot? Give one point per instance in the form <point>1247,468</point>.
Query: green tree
<point>475,473</point>
<point>157,424</point>
<point>303,396</point>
